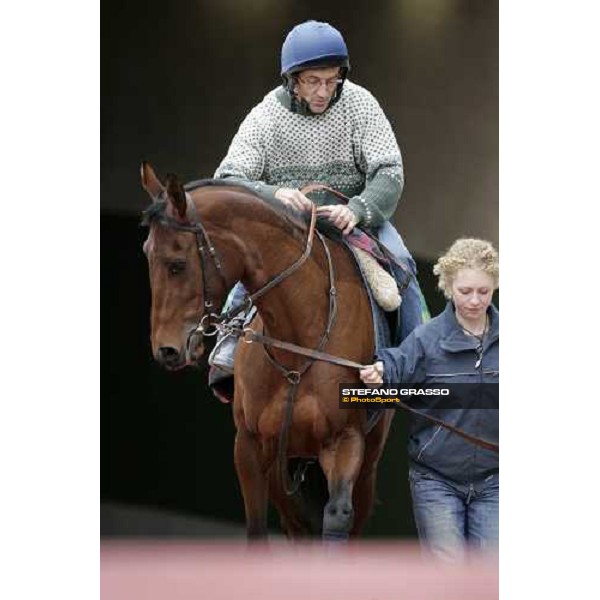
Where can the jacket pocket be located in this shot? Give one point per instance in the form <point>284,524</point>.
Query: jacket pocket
<point>416,478</point>
<point>491,376</point>
<point>456,377</point>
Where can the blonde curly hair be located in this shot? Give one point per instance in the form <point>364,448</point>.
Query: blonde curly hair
<point>466,253</point>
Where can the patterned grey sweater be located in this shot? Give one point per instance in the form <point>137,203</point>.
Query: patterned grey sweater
<point>351,147</point>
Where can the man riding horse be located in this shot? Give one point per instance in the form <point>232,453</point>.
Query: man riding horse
<point>320,127</point>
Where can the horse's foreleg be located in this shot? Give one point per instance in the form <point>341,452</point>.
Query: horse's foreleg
<point>290,509</point>
<point>341,463</point>
<point>252,477</point>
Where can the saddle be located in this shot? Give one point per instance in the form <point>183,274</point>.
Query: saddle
<point>381,269</point>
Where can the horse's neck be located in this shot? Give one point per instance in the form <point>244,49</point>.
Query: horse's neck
<point>267,244</point>
<point>296,308</point>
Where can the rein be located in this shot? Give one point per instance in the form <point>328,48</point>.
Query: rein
<point>294,377</point>
<point>249,336</point>
<point>278,278</point>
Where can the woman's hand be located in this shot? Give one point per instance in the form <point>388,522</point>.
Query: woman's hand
<point>372,373</point>
<point>340,215</point>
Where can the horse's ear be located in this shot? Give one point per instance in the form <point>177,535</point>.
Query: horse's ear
<point>150,182</point>
<point>176,195</point>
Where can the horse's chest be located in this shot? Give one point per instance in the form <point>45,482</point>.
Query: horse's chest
<point>308,429</point>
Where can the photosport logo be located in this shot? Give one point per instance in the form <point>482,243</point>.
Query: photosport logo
<point>439,396</point>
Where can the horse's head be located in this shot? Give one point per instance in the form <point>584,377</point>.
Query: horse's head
<point>176,273</point>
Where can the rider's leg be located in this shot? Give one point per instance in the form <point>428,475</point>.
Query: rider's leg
<point>237,296</point>
<point>413,310</point>
<point>224,350</point>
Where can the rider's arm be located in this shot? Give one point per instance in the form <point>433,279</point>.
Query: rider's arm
<point>379,158</point>
<point>245,160</point>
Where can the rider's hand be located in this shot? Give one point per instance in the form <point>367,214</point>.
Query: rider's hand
<point>294,198</point>
<point>340,215</point>
<point>372,373</point>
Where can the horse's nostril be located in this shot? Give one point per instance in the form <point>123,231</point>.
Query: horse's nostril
<point>168,354</point>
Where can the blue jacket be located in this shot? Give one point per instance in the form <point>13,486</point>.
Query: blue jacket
<point>440,352</point>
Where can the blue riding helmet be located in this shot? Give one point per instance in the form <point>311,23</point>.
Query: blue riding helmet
<point>312,44</point>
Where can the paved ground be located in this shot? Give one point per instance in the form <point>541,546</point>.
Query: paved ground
<point>129,521</point>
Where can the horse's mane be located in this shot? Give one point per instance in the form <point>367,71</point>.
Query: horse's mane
<point>299,219</point>
<point>296,218</point>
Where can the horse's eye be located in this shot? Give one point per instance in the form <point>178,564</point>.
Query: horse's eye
<point>176,267</point>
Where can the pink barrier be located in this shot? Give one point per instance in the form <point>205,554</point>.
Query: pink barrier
<point>365,571</point>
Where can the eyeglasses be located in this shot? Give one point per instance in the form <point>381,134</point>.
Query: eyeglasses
<point>313,84</point>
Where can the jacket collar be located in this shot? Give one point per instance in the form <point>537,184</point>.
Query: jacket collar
<point>454,339</point>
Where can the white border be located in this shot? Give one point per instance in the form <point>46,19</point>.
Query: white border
<point>49,439</point>
<point>549,160</point>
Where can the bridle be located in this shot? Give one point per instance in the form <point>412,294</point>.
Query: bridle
<point>206,249</point>
<point>210,317</point>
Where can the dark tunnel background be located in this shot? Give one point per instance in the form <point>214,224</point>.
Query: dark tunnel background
<point>177,78</point>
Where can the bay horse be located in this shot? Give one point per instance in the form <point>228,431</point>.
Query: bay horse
<point>200,243</point>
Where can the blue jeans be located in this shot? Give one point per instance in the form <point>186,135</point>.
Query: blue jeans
<point>452,517</point>
<point>413,310</point>
<point>236,296</point>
